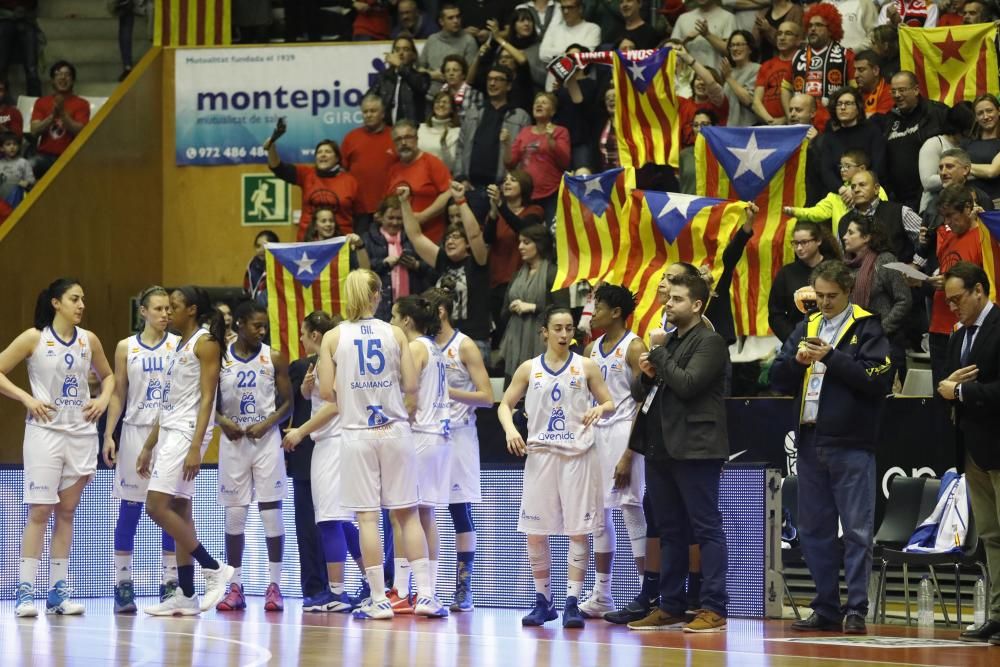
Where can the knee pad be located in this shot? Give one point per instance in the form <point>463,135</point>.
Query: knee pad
<point>129,513</point>
<point>635,525</point>
<point>461,517</point>
<point>272,521</point>
<point>604,539</point>
<point>577,554</point>
<point>236,520</point>
<point>334,545</point>
<point>538,556</point>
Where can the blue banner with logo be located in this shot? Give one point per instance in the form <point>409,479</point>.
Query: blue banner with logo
<point>227,100</point>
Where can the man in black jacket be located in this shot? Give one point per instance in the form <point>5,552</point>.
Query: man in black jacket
<point>913,121</point>
<point>837,365</point>
<point>685,442</point>
<point>973,389</point>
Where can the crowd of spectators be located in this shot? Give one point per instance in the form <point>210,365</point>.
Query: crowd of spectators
<point>478,129</point>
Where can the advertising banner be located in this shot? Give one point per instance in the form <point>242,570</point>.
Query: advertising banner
<point>227,100</point>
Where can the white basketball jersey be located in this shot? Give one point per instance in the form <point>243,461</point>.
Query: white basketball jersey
<point>182,391</point>
<point>58,372</point>
<point>368,360</point>
<point>247,387</point>
<point>618,376</point>
<point>458,378</point>
<point>332,428</point>
<point>147,368</point>
<point>433,404</point>
<point>556,401</point>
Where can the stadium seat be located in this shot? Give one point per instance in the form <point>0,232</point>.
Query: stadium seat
<point>25,104</point>
<point>918,383</point>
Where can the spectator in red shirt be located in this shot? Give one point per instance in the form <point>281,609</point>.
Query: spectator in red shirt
<point>323,183</point>
<point>371,23</point>
<point>56,119</point>
<point>427,177</point>
<point>542,150</point>
<point>707,94</point>
<point>10,118</point>
<point>873,86</point>
<point>773,73</point>
<point>367,152</point>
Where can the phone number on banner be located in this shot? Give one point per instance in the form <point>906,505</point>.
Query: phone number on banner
<point>223,153</point>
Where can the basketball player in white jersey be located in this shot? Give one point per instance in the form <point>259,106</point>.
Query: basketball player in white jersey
<point>254,397</point>
<point>365,367</point>
<point>187,416</point>
<point>338,533</point>
<point>430,421</point>
<point>140,372</point>
<point>468,388</point>
<point>616,354</point>
<point>60,434</point>
<point>563,492</point>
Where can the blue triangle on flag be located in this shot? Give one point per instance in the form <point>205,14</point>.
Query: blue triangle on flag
<point>593,191</point>
<point>642,72</point>
<point>673,211</point>
<point>750,156</point>
<point>991,220</point>
<point>306,261</point>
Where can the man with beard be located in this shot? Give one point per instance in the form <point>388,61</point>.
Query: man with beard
<point>425,175</point>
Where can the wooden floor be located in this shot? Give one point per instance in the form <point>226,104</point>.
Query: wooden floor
<point>484,638</point>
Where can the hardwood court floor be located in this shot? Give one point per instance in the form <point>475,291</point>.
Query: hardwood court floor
<point>484,638</point>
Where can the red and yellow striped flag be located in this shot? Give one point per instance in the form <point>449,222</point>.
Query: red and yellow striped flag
<point>952,64</point>
<point>301,278</point>
<point>768,250</point>
<point>647,253</point>
<point>646,124</point>
<point>590,214</point>
<point>989,233</point>
<point>192,23</point>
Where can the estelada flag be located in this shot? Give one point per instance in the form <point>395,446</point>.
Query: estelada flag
<point>989,237</point>
<point>664,228</point>
<point>646,106</point>
<point>765,165</point>
<point>952,64</point>
<point>192,22</point>
<point>301,278</point>
<point>590,214</point>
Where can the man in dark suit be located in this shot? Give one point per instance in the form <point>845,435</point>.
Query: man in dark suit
<point>684,439</point>
<point>836,363</point>
<point>973,389</point>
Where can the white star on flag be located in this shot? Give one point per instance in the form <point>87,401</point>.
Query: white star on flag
<point>592,185</point>
<point>751,158</point>
<point>636,71</point>
<point>679,203</point>
<point>304,264</point>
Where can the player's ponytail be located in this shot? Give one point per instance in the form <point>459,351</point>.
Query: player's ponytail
<point>207,316</point>
<point>423,313</point>
<point>45,312</point>
<point>361,288</point>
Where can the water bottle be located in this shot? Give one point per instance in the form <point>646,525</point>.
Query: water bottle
<point>979,603</point>
<point>925,601</point>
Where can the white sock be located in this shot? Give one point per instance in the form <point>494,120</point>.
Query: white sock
<point>434,574</point>
<point>123,567</point>
<point>401,578</point>
<point>275,571</point>
<point>376,580</point>
<point>602,584</point>
<point>573,589</point>
<point>58,571</point>
<point>544,586</point>
<point>422,577</point>
<point>29,570</point>
<point>237,576</point>
<point>169,570</point>
<point>337,588</point>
